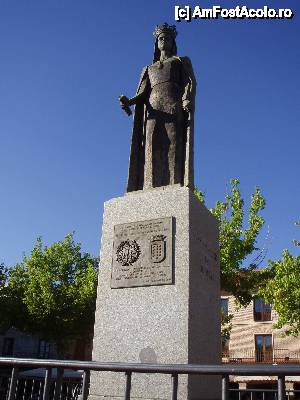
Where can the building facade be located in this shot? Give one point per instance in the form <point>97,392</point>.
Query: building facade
<point>254,340</point>
<point>14,343</point>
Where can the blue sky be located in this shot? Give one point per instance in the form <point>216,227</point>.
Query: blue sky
<point>65,142</point>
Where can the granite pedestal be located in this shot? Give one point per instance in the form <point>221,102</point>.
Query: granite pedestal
<point>175,318</point>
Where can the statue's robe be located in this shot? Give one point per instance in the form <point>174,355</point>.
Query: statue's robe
<point>136,174</point>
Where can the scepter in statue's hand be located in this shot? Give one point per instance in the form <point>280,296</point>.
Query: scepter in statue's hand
<point>125,104</point>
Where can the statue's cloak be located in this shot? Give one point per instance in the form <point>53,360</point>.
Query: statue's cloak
<point>137,150</point>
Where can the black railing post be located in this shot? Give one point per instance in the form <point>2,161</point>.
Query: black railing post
<point>281,387</point>
<point>13,384</point>
<point>128,385</point>
<point>174,380</point>
<point>85,384</point>
<point>225,387</point>
<point>47,383</point>
<point>59,383</point>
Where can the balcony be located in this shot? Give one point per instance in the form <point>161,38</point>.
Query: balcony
<point>275,356</point>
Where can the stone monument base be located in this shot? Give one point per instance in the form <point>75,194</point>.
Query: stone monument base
<point>174,316</point>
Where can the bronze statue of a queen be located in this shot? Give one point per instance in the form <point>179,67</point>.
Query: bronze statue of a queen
<point>162,137</point>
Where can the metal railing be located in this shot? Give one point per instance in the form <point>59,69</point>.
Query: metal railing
<point>32,388</point>
<point>130,369</point>
<point>261,394</point>
<point>274,356</point>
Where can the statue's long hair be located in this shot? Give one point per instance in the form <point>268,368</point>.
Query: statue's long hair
<point>156,55</point>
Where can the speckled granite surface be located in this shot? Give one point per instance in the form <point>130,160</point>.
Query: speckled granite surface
<point>176,323</point>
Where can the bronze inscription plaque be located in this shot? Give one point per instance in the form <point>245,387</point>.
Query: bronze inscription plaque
<point>142,253</point>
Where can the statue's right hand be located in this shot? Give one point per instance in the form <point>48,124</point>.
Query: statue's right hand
<point>125,104</point>
<point>124,100</point>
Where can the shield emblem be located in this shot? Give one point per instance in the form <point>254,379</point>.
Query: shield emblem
<point>158,248</point>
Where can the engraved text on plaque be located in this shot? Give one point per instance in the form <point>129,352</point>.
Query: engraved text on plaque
<point>142,253</point>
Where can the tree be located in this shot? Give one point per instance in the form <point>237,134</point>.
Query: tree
<point>3,294</point>
<point>282,291</point>
<point>3,276</point>
<point>226,326</point>
<point>12,309</point>
<point>55,289</point>
<point>237,242</point>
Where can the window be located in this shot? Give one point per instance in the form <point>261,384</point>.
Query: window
<point>44,349</point>
<point>263,348</point>
<point>261,310</point>
<point>8,347</point>
<point>224,306</point>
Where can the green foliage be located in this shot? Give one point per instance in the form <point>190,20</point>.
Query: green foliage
<point>3,295</point>
<point>200,195</point>
<point>3,276</point>
<point>282,291</point>
<point>237,242</point>
<point>53,292</point>
<point>12,309</point>
<point>226,325</point>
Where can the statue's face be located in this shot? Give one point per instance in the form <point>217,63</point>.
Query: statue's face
<point>165,42</point>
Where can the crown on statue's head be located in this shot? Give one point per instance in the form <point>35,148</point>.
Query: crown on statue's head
<point>165,28</point>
